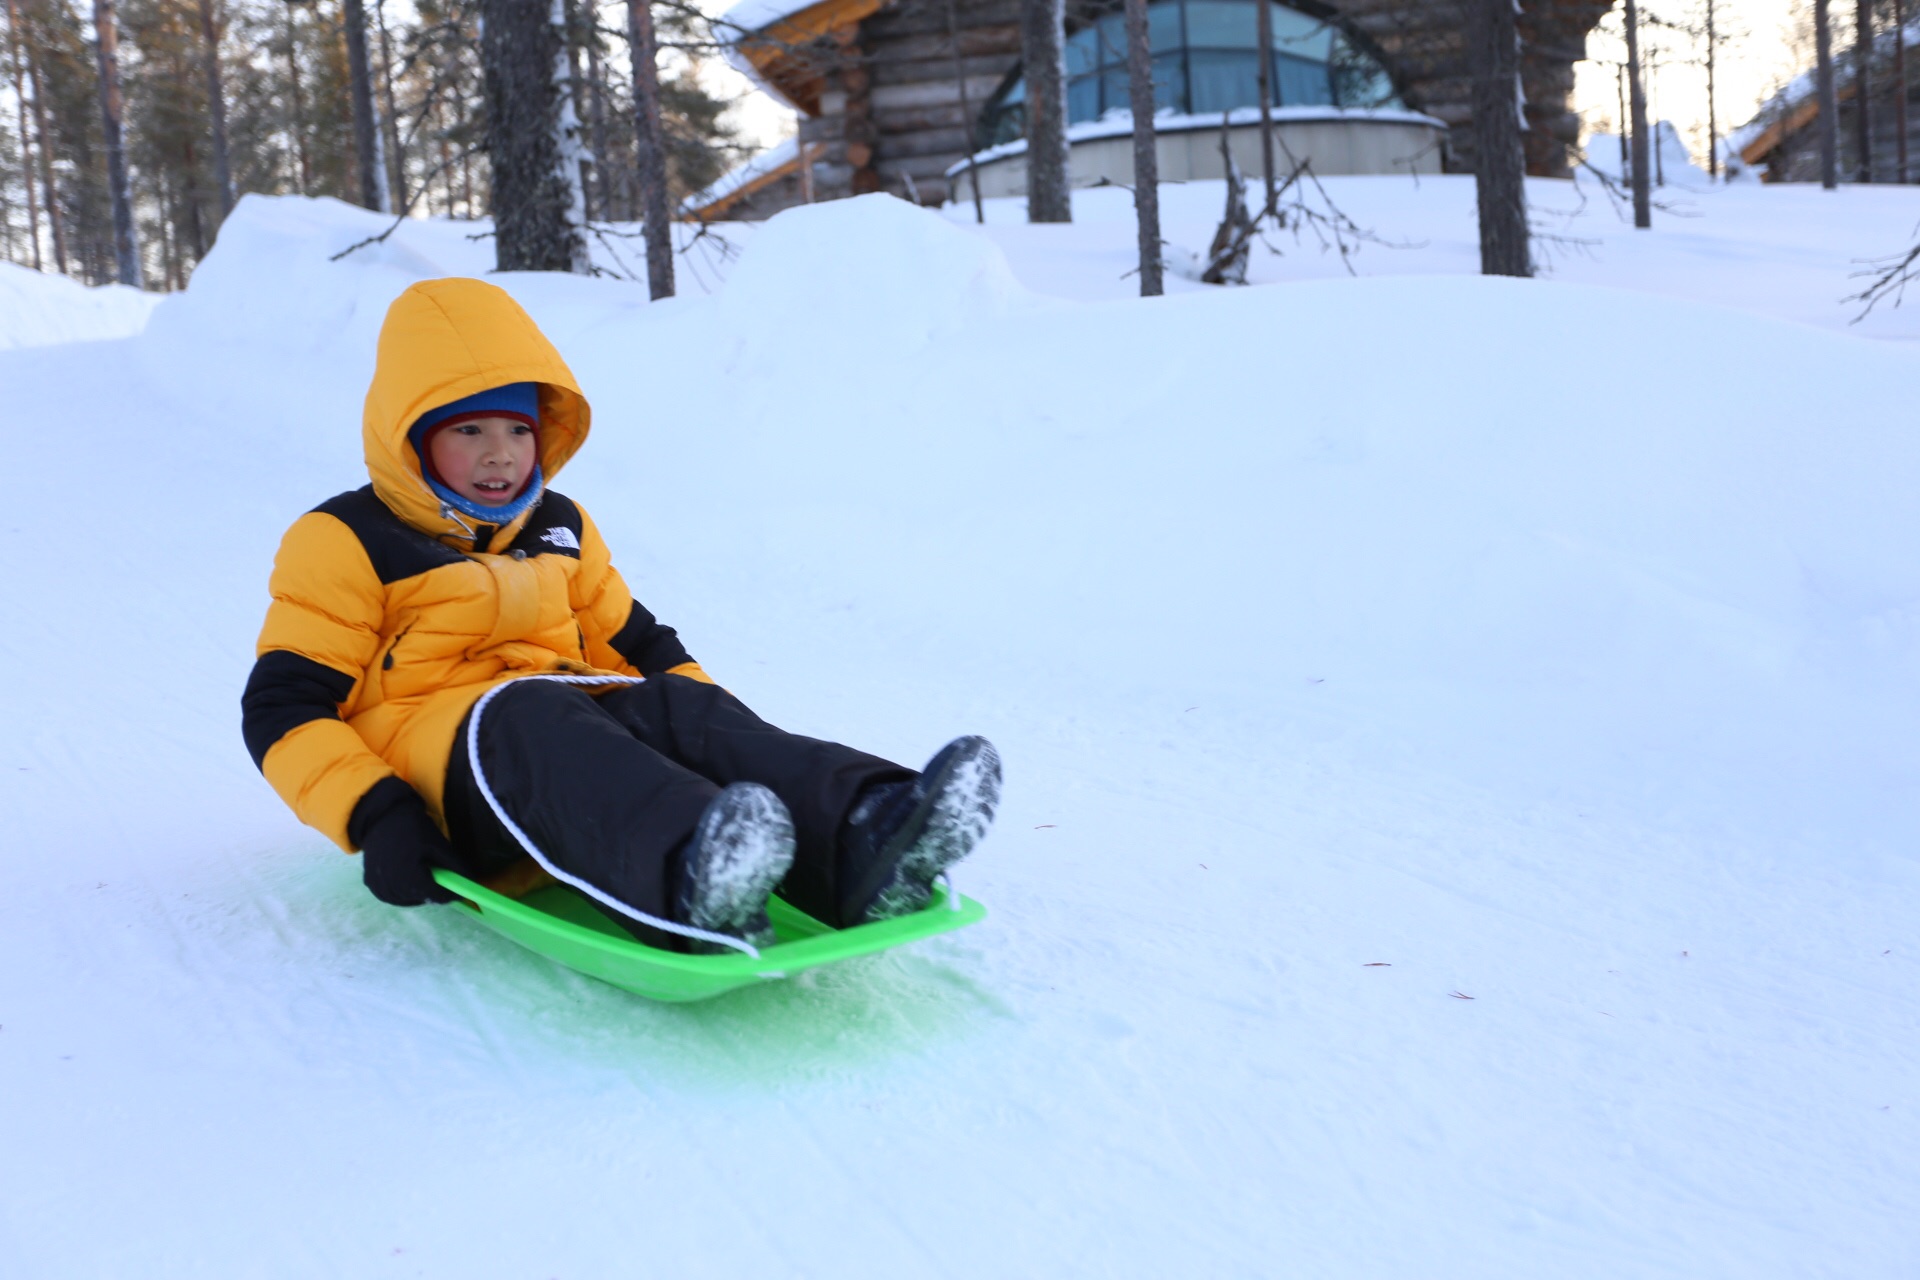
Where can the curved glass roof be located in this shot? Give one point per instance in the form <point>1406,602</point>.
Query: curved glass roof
<point>1206,60</point>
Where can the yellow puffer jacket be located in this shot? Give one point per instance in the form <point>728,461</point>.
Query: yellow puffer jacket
<point>391,614</point>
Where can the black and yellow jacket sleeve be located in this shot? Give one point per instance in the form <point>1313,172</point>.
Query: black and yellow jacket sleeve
<point>322,631</point>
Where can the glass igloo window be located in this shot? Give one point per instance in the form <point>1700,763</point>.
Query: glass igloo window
<point>1206,60</point>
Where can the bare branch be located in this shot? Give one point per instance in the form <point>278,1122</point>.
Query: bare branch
<point>1888,278</point>
<point>420,189</point>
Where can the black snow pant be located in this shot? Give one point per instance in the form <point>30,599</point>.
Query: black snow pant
<point>610,788</point>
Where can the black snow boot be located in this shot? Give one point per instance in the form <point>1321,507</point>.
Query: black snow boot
<point>740,850</point>
<point>901,836</point>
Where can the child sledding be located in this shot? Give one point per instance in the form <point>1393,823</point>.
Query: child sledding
<point>458,576</point>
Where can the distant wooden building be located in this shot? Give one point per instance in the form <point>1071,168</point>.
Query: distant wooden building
<point>1782,141</point>
<point>894,94</point>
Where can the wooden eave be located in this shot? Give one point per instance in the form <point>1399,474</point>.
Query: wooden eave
<point>779,51</point>
<point>1791,123</point>
<point>716,208</point>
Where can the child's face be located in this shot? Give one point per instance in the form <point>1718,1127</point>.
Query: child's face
<point>484,459</point>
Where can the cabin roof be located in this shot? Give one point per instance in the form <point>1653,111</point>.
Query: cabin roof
<point>762,171</point>
<point>766,41</point>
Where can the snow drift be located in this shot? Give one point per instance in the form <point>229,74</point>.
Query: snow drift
<point>39,309</point>
<point>1459,823</point>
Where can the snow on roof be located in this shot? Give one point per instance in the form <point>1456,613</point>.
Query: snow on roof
<point>1119,124</point>
<point>757,15</point>
<point>742,176</point>
<point>749,16</point>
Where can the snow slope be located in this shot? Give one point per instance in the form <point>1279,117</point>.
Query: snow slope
<point>1457,826</point>
<point>38,309</point>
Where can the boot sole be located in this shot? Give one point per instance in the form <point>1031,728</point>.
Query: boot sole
<point>946,826</point>
<point>744,846</point>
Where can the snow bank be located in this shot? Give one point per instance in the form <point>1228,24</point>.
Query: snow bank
<point>1792,252</point>
<point>1459,818</point>
<point>881,278</point>
<point>39,309</point>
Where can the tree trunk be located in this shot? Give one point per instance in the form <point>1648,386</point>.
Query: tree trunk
<point>532,198</point>
<point>1637,96</point>
<point>1713,120</point>
<point>383,190</point>
<point>603,206</point>
<point>1043,52</point>
<point>366,142</point>
<point>1626,129</point>
<point>1263,36</point>
<point>1827,123</point>
<point>1659,136</point>
<point>576,102</point>
<point>566,137</point>
<point>1146,162</point>
<point>395,153</point>
<point>1863,85</point>
<point>805,150</point>
<point>51,193</point>
<point>126,250</point>
<point>439,117</point>
<point>1232,246</point>
<point>1900,86</point>
<point>966,111</point>
<point>16,47</point>
<point>217,108</point>
<point>195,227</point>
<point>650,153</point>
<point>169,234</point>
<point>1500,161</point>
<point>299,106</point>
<point>463,117</point>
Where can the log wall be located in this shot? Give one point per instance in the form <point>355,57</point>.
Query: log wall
<point>891,115</point>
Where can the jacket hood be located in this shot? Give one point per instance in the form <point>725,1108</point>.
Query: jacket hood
<point>444,340</point>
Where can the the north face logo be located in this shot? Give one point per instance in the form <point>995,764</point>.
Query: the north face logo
<point>561,536</point>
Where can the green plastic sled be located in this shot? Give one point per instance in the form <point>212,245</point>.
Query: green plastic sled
<point>565,925</point>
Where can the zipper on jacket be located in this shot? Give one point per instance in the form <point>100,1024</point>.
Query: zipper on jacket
<point>483,537</point>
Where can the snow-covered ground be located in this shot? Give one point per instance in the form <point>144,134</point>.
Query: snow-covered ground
<point>1461,795</point>
<point>1791,252</point>
<point>38,309</point>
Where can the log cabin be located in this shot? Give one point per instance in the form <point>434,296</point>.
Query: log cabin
<point>916,97</point>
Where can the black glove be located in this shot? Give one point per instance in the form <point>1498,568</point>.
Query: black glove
<point>399,845</point>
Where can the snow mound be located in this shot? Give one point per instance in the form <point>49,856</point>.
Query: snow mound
<point>275,293</point>
<point>1676,159</point>
<point>38,309</point>
<point>879,277</point>
<point>271,280</point>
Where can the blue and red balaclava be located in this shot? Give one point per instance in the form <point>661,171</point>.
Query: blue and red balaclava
<point>517,400</point>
